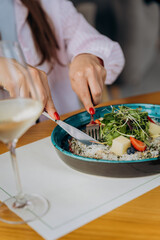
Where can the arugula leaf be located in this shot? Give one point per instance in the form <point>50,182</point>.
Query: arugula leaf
<point>127,122</point>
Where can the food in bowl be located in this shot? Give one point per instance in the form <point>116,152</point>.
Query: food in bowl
<point>125,134</point>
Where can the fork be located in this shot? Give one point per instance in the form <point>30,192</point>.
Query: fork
<point>92,129</point>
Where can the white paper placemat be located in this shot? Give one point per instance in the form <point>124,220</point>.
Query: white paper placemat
<point>75,198</point>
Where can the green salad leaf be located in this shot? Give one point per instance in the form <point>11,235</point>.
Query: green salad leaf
<point>127,122</point>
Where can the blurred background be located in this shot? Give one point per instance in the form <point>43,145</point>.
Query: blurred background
<point>135,24</point>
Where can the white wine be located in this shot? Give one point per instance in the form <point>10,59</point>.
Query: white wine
<point>16,116</point>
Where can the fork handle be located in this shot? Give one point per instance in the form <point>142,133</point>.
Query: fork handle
<point>92,119</point>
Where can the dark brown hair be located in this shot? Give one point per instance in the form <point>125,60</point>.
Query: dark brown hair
<point>43,32</point>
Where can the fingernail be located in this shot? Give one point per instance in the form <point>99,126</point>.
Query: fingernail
<point>56,115</point>
<point>91,111</point>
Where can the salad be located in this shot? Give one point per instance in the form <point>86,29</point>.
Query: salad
<point>126,122</point>
<point>123,131</point>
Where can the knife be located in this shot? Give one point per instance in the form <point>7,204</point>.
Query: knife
<point>74,132</point>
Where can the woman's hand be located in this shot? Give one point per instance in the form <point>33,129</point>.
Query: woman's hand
<point>41,82</point>
<point>87,77</point>
<point>38,76</point>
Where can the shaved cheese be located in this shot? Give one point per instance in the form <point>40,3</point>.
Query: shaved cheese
<point>120,145</point>
<point>154,130</point>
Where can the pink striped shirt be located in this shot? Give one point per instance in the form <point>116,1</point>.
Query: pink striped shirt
<point>74,36</point>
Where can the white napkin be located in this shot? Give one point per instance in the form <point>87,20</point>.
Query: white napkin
<point>75,198</point>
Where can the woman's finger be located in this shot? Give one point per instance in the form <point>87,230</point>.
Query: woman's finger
<point>81,88</point>
<point>37,78</point>
<point>95,84</point>
<point>22,79</point>
<point>49,107</point>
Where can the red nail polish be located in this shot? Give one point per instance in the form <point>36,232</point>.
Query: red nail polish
<point>56,115</point>
<point>91,111</point>
<point>101,61</point>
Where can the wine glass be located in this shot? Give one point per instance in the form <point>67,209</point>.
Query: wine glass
<point>20,106</point>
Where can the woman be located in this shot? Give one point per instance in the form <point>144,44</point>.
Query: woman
<point>57,40</point>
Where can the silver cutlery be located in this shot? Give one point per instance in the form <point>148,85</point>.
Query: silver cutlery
<point>92,129</point>
<point>74,132</point>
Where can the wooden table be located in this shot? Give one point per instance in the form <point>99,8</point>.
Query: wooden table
<point>136,220</point>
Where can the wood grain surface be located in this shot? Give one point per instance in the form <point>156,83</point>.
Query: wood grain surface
<point>138,219</point>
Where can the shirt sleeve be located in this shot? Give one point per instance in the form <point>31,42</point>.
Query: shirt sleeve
<point>80,37</point>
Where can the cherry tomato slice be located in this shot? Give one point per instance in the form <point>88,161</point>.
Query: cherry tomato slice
<point>97,121</point>
<point>137,144</point>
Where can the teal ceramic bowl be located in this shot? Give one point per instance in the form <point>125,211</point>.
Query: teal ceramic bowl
<point>131,168</point>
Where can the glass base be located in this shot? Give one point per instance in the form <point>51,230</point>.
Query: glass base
<point>31,208</point>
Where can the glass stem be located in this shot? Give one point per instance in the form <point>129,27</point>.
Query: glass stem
<point>20,195</point>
